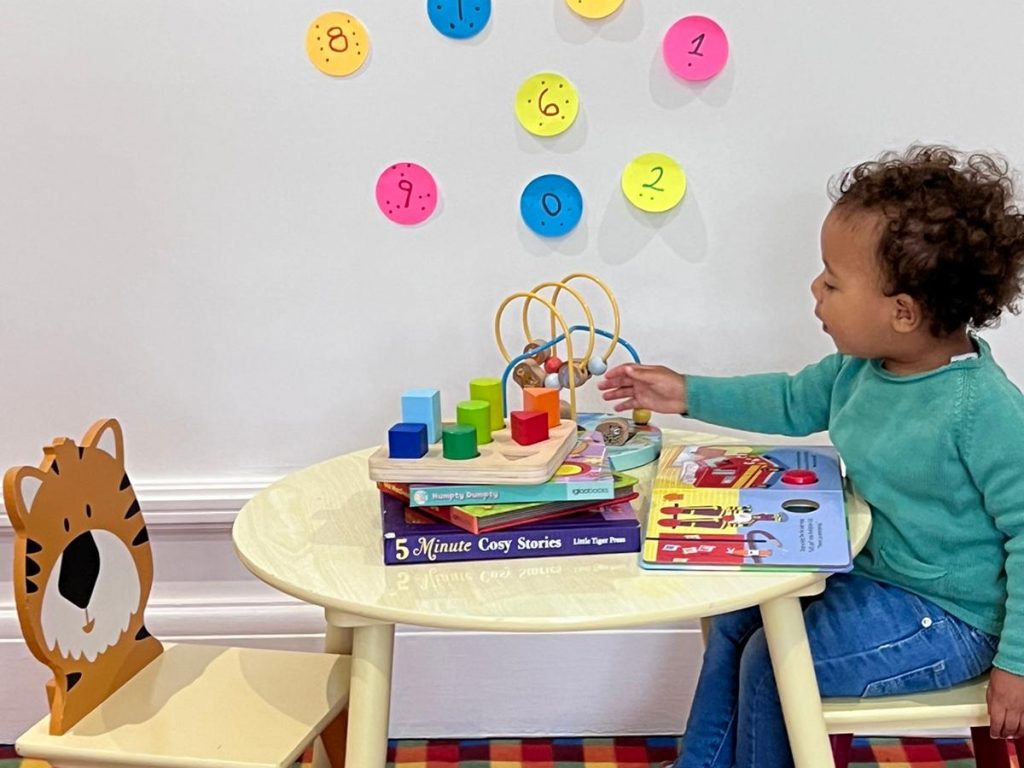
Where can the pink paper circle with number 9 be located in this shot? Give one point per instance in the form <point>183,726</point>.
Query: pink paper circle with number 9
<point>406,193</point>
<point>695,48</point>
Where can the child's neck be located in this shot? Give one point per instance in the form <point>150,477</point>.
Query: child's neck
<point>926,353</point>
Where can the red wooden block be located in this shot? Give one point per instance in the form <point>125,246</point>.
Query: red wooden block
<point>529,427</point>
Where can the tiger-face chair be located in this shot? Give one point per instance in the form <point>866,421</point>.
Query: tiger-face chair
<point>82,570</point>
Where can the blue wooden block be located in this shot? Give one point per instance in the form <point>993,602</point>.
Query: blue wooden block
<point>423,406</point>
<point>407,441</point>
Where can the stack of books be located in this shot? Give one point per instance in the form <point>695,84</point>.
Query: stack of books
<point>583,509</point>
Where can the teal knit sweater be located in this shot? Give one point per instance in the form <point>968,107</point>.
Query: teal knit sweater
<point>939,456</point>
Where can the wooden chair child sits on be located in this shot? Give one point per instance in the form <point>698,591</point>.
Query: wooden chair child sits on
<point>82,577</point>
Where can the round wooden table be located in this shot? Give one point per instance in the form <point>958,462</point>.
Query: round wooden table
<point>316,535</point>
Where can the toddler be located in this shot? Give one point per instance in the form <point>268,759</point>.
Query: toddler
<point>919,250</point>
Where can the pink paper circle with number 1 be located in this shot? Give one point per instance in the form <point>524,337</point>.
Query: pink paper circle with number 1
<point>695,48</point>
<point>406,193</point>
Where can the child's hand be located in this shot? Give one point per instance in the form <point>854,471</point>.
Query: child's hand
<point>653,387</point>
<point>1005,704</point>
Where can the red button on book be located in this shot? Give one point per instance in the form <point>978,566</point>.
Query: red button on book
<point>799,477</point>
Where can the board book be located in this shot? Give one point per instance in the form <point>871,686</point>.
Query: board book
<point>411,537</point>
<point>586,473</point>
<point>747,508</point>
<point>481,518</point>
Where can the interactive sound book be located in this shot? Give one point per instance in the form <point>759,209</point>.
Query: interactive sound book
<point>743,508</point>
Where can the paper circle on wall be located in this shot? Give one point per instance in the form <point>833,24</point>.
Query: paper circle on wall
<point>551,205</point>
<point>594,9</point>
<point>654,182</point>
<point>406,193</point>
<point>459,18</point>
<point>337,43</point>
<point>547,104</point>
<point>695,48</point>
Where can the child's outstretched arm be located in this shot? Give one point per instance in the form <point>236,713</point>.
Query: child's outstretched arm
<point>774,403</point>
<point>653,387</point>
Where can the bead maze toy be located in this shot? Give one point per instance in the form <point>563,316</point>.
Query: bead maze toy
<point>632,441</point>
<point>481,448</point>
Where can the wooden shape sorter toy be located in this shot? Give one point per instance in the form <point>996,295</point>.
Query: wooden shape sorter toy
<point>500,461</point>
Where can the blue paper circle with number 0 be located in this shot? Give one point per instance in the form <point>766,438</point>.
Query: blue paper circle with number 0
<point>459,18</point>
<point>551,205</point>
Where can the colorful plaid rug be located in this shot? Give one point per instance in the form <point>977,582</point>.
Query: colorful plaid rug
<point>632,752</point>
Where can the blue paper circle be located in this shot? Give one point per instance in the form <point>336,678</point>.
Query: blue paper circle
<point>459,18</point>
<point>551,205</point>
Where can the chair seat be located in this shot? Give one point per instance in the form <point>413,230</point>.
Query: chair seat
<point>957,707</point>
<point>206,706</point>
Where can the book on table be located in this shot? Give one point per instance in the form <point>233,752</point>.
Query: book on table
<point>412,537</point>
<point>727,507</point>
<point>586,473</point>
<point>482,518</point>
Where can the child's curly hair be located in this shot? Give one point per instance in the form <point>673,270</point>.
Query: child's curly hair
<point>953,238</point>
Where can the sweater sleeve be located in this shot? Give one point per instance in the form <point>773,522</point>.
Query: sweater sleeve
<point>773,403</point>
<point>993,451</point>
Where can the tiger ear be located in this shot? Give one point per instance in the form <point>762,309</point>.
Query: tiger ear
<point>21,484</point>
<point>106,431</point>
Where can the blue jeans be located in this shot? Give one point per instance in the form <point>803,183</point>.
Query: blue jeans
<point>866,638</point>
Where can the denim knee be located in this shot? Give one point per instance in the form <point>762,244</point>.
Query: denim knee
<point>735,626</point>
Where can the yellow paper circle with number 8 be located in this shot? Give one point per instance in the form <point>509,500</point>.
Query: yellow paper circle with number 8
<point>654,182</point>
<point>547,104</point>
<point>337,43</point>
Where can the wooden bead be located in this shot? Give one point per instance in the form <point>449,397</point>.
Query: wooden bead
<point>597,366</point>
<point>528,374</point>
<point>615,431</point>
<point>540,357</point>
<point>641,416</point>
<point>552,364</point>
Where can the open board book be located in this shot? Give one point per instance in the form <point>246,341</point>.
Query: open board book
<point>730,507</point>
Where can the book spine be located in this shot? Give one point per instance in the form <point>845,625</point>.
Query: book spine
<point>501,545</point>
<point>455,495</point>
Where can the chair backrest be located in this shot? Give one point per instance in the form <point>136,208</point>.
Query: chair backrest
<point>83,570</point>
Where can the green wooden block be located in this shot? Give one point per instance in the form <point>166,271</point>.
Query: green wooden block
<point>458,441</point>
<point>477,414</point>
<point>489,390</point>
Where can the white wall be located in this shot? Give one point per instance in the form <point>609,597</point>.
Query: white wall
<point>190,240</point>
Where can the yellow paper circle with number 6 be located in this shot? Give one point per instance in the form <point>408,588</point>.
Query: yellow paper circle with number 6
<point>547,104</point>
<point>337,43</point>
<point>654,182</point>
<point>594,9</point>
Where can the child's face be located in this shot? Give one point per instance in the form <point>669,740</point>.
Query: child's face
<point>848,293</point>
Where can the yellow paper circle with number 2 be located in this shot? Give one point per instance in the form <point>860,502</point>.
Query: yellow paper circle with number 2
<point>337,43</point>
<point>547,104</point>
<point>654,182</point>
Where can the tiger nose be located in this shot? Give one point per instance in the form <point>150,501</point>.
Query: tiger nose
<point>79,570</point>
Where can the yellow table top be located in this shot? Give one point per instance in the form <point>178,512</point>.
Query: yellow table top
<point>316,534</point>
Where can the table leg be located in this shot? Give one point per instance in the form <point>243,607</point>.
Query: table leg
<point>370,696</point>
<point>798,687</point>
<point>336,640</point>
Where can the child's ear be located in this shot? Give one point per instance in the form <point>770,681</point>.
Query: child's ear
<point>21,484</point>
<point>906,313</point>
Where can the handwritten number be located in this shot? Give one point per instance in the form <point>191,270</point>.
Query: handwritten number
<point>547,109</point>
<point>406,186</point>
<point>699,40</point>
<point>653,184</point>
<point>334,34</point>
<point>557,204</point>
